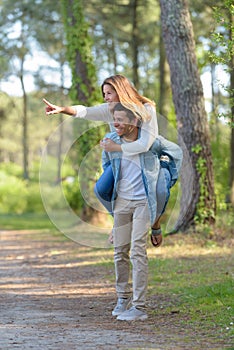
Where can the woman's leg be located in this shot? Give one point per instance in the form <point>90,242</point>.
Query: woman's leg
<point>163,190</point>
<point>104,187</point>
<point>163,194</point>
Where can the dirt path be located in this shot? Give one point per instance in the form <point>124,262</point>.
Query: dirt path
<point>53,298</point>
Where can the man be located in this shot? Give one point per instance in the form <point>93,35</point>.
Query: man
<point>134,208</point>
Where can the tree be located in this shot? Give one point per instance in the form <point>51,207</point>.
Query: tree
<point>15,46</point>
<point>22,30</point>
<point>130,46</point>
<point>164,103</point>
<point>53,44</point>
<point>83,90</point>
<point>8,143</point>
<point>135,45</point>
<point>224,36</point>
<point>197,182</point>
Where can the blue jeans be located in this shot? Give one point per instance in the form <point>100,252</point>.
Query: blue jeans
<point>163,190</point>
<point>104,187</point>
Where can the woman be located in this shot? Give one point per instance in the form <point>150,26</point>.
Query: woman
<point>117,88</point>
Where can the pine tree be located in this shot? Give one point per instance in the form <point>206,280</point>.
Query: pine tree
<point>197,180</point>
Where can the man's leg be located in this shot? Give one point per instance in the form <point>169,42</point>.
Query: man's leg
<point>139,262</point>
<point>122,238</point>
<point>139,257</point>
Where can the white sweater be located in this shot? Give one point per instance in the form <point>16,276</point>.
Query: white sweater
<point>149,129</point>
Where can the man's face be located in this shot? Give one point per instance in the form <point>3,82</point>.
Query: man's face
<point>123,125</point>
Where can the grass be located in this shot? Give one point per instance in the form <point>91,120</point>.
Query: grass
<point>192,281</point>
<point>29,221</point>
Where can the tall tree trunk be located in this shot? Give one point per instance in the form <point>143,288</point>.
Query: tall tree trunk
<point>164,88</point>
<point>135,49</point>
<point>231,68</point>
<point>79,52</point>
<point>197,181</point>
<point>2,118</point>
<point>113,54</point>
<point>24,124</point>
<point>214,124</point>
<point>61,128</point>
<point>84,91</point>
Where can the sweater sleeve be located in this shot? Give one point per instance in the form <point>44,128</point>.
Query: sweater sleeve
<point>149,132</point>
<point>97,113</point>
<point>149,129</point>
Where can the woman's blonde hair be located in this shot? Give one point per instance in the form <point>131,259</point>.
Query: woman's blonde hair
<point>129,97</point>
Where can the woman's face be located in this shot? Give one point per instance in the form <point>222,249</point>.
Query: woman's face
<point>109,94</point>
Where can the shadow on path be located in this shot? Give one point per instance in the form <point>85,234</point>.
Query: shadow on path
<point>54,296</point>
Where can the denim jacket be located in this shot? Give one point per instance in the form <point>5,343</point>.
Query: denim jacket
<point>150,165</point>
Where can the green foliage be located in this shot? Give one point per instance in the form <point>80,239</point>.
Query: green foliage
<point>223,38</point>
<point>19,196</point>
<point>11,169</point>
<point>203,213</point>
<point>84,88</point>
<point>13,194</point>
<point>25,221</point>
<point>85,157</point>
<point>73,194</point>
<point>34,202</point>
<point>220,144</point>
<point>119,41</point>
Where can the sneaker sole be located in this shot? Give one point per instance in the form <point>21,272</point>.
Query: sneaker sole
<point>116,313</point>
<point>139,318</point>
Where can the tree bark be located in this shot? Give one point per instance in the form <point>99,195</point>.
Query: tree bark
<point>164,101</point>
<point>197,183</point>
<point>61,128</point>
<point>231,68</point>
<point>135,47</point>
<point>84,90</point>
<point>24,123</point>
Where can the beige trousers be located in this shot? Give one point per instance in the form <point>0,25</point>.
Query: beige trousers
<point>131,224</point>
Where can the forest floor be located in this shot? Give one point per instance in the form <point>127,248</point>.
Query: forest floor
<point>54,296</point>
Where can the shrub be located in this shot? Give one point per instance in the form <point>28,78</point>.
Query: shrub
<point>13,194</point>
<point>34,200</point>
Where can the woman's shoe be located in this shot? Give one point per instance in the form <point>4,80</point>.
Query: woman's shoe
<point>156,237</point>
<point>110,238</point>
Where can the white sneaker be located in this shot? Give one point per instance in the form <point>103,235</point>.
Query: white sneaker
<point>132,314</point>
<point>121,306</point>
